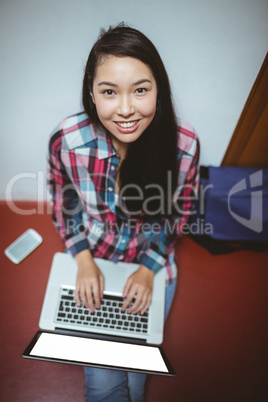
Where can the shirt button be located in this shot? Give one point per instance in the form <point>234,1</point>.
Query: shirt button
<point>112,167</point>
<point>110,189</point>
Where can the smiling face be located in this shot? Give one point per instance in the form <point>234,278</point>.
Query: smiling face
<point>125,95</point>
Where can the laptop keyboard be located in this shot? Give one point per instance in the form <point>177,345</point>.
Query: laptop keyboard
<point>109,316</point>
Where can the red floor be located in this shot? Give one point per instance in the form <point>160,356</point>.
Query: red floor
<point>216,336</point>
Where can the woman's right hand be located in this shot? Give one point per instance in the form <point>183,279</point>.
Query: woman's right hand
<point>89,281</point>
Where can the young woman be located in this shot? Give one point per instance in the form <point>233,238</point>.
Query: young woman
<point>122,176</point>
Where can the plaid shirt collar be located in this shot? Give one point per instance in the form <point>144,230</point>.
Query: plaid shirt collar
<point>87,135</point>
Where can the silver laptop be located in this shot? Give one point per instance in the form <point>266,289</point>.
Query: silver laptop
<point>106,338</point>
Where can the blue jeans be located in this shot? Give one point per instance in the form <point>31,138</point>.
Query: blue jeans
<point>120,386</point>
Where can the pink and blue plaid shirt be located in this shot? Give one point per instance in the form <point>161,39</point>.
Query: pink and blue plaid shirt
<point>81,179</point>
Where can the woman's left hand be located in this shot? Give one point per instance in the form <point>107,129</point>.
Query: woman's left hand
<point>139,284</point>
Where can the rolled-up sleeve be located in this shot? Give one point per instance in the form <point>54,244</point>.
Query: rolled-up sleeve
<point>67,209</point>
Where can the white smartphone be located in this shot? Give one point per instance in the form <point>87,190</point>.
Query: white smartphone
<point>23,246</point>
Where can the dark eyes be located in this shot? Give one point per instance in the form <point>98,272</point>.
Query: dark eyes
<point>139,91</point>
<point>108,92</point>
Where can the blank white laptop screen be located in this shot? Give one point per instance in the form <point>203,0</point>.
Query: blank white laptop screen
<point>99,352</point>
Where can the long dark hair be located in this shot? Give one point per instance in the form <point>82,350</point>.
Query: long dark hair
<point>151,161</point>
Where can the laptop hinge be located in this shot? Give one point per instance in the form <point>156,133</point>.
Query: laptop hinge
<point>93,335</point>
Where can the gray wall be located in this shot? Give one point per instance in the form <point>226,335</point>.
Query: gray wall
<point>212,49</point>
